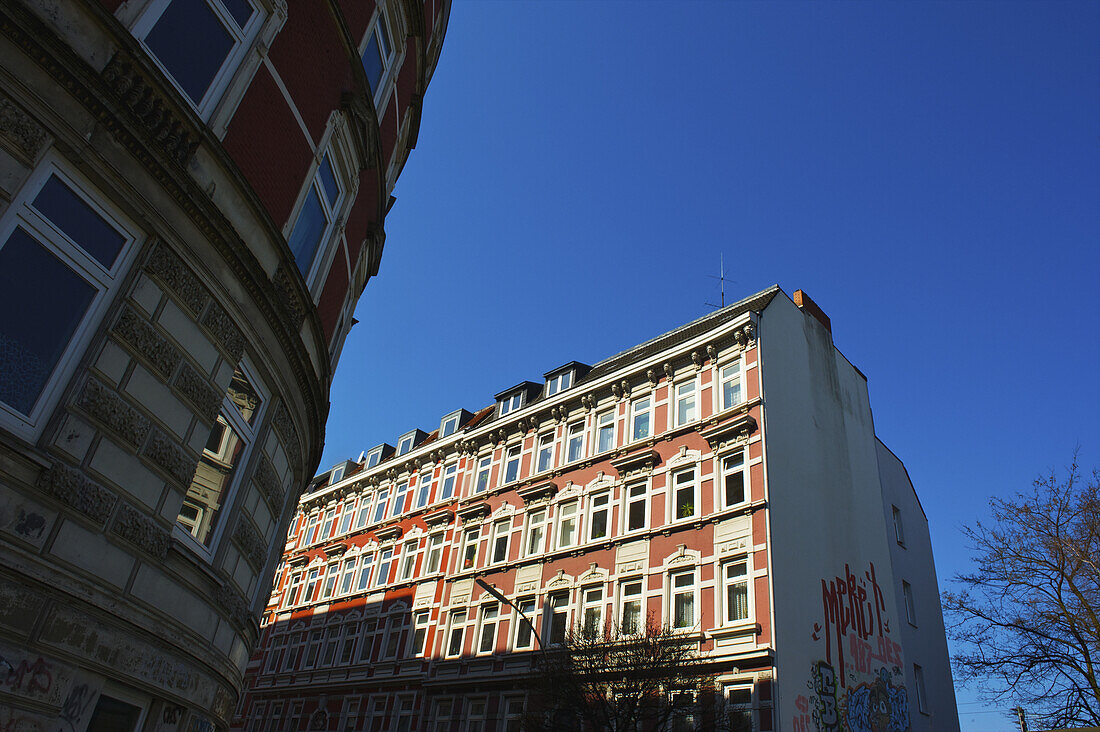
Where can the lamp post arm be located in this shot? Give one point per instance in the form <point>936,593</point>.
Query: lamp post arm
<point>499,596</point>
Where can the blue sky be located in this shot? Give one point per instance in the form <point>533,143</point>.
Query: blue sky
<point>929,173</point>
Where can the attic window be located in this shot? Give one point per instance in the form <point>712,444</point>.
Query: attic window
<point>406,442</point>
<point>559,382</point>
<point>374,456</point>
<point>511,403</point>
<point>450,423</point>
<point>337,474</point>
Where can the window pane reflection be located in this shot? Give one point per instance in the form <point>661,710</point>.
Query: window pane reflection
<point>244,397</point>
<point>210,486</point>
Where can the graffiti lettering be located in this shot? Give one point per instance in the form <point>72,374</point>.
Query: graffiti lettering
<point>848,607</point>
<point>76,703</point>
<point>171,714</point>
<point>30,678</point>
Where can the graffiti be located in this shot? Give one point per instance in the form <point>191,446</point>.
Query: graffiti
<point>171,714</point>
<point>29,523</point>
<point>848,607</point>
<point>879,706</point>
<point>34,678</point>
<point>76,703</point>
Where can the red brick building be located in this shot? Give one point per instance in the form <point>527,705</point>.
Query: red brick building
<point>192,198</point>
<point>723,479</point>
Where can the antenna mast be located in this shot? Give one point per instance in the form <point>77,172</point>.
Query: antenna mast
<point>721,281</point>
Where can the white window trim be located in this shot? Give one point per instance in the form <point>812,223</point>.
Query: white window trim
<point>411,437</point>
<point>674,412</point>
<point>539,450</point>
<point>397,56</point>
<point>106,282</point>
<point>722,596</point>
<point>673,514</point>
<point>530,524</point>
<point>623,598</point>
<point>720,392</point>
<point>597,426</point>
<point>720,479</point>
<point>481,622</point>
<point>370,454</point>
<point>590,510</point>
<point>631,414</point>
<point>456,417</point>
<point>670,596</point>
<point>578,525</point>
<point>626,507</point>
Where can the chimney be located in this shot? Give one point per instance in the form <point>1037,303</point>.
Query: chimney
<point>808,306</point>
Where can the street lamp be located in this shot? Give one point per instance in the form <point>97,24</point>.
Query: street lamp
<point>496,593</point>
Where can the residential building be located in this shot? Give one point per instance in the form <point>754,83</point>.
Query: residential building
<point>723,479</point>
<point>192,198</point>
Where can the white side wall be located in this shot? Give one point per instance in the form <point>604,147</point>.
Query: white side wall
<point>924,638</point>
<point>837,641</point>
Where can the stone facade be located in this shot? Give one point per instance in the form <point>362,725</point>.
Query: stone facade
<point>164,371</point>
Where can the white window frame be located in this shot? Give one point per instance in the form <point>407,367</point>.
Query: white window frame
<point>366,570</point>
<point>680,394</point>
<point>410,552</point>
<point>456,418</point>
<point>347,518</point>
<point>674,483</point>
<point>374,456</point>
<point>385,564</point>
<point>537,520</point>
<point>605,421</point>
<point>418,639</point>
<point>471,537</point>
<point>381,498</point>
<point>424,482</point>
<point>730,375</point>
<point>573,432</point>
<point>599,503</point>
<point>512,459</point>
<point>389,65</point>
<point>560,519</point>
<point>899,530</point>
<point>106,282</point>
<point>530,608</point>
<point>727,582</point>
<point>457,620</point>
<point>589,603</point>
<point>674,590</point>
<point>336,474</point>
<point>408,437</point>
<point>501,532</point>
<point>628,492</point>
<point>449,478</point>
<point>400,494</point>
<point>434,561</point>
<point>635,412</point>
<point>727,468</point>
<point>910,607</point>
<point>545,448</point>
<point>557,603</point>
<point>337,150</point>
<point>484,467</point>
<point>638,597</point>
<point>347,575</point>
<point>559,382</point>
<point>488,623</point>
<point>922,692</point>
<point>511,404</point>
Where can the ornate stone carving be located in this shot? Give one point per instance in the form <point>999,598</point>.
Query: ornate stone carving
<point>176,276</point>
<point>20,129</point>
<point>225,332</point>
<point>617,391</point>
<point>150,109</point>
<point>141,531</point>
<point>169,455</point>
<point>134,330</point>
<point>669,371</point>
<point>269,484</point>
<point>105,405</point>
<point>289,298</point>
<point>250,542</point>
<point>74,489</point>
<point>233,603</point>
<point>697,359</point>
<point>588,401</point>
<point>745,336</point>
<point>288,434</point>
<point>712,352</point>
<point>199,391</point>
<point>652,376</point>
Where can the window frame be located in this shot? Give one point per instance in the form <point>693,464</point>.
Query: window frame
<point>921,689</point>
<point>531,525</point>
<point>674,494</point>
<point>605,421</point>
<point>455,417</point>
<point>409,437</point>
<point>373,457</point>
<point>560,517</point>
<point>105,281</point>
<point>636,413</point>
<point>678,397</point>
<point>501,532</point>
<point>625,598</point>
<point>673,592</point>
<point>597,605</point>
<point>490,624</point>
<point>726,381</point>
<point>899,529</point>
<point>483,467</point>
<point>424,482</point>
<point>380,95</point>
<point>544,446</point>
<point>434,547</point>
<point>456,623</point>
<point>559,382</point>
<point>471,539</point>
<point>629,499</point>
<point>512,458</point>
<point>521,627</point>
<point>725,471</point>
<point>907,600</point>
<point>573,432</point>
<point>448,481</point>
<point>511,403</point>
<point>385,564</point>
<point>599,503</point>
<point>727,583</point>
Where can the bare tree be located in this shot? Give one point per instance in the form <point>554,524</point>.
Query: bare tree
<point>617,681</point>
<point>1027,617</point>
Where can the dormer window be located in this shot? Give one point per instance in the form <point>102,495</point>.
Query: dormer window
<point>374,457</point>
<point>511,403</point>
<point>560,382</point>
<point>406,442</point>
<point>337,474</point>
<point>450,424</point>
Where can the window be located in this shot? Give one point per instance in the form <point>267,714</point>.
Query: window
<point>511,464</point>
<point>326,526</point>
<point>730,381</point>
<point>392,638</point>
<point>311,531</point>
<point>336,475</point>
<point>443,710</point>
<point>348,515</point>
<point>910,610</point>
<point>366,642</point>
<point>380,504</point>
<point>501,531</point>
<point>424,488</point>
<point>476,715</point>
<point>488,638</point>
<point>347,576</point>
<point>316,638</point>
<point>683,600</point>
<point>898,533</point>
<point>449,474</point>
<point>684,494</point>
<point>364,512</point>
<point>406,709</point>
<point>331,645</point>
<point>365,572</point>
<point>399,494</point>
<point>331,576</point>
<point>484,465</point>
<point>450,423</point>
<point>735,582</point>
<point>637,506</point>
<point>314,225</point>
<point>686,410</point>
<point>575,442</point>
<point>60,243</point>
<point>374,457</point>
<point>605,432</point>
<point>567,524</point>
<point>351,635</point>
<point>524,635</point>
<point>561,382</point>
<point>457,629</point>
<point>420,634</point>
<point>408,559</point>
<point>683,712</point>
<point>511,403</point>
<point>739,708</point>
<point>405,442</point>
<point>292,593</point>
<point>198,43</point>
<point>378,54</point>
<point>215,477</point>
<point>558,618</point>
<point>630,613</point>
<point>922,695</point>
<point>639,419</point>
<point>536,532</point>
<point>114,715</point>
<point>733,480</point>
<point>435,553</point>
<point>592,623</point>
<point>384,562</point>
<point>513,714</point>
<point>599,508</point>
<point>546,451</point>
<point>311,584</point>
<point>469,548</point>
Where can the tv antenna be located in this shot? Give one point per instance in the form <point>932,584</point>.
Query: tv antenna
<point>721,280</point>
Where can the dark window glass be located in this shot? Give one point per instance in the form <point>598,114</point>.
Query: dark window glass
<point>192,44</point>
<point>241,10</point>
<point>735,488</point>
<point>307,232</point>
<point>372,63</point>
<point>35,330</point>
<point>57,202</point>
<point>328,182</point>
<point>112,715</point>
<point>385,36</point>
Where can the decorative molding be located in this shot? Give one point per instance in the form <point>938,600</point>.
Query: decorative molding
<point>540,491</point>
<point>730,433</point>
<point>335,549</point>
<point>745,336</point>
<point>134,330</point>
<point>166,266</point>
<point>617,391</point>
<point>248,538</point>
<point>440,517</point>
<point>268,483</point>
<point>74,489</point>
<point>669,371</point>
<point>199,391</point>
<point>21,130</point>
<point>288,433</point>
<point>225,332</point>
<point>155,114</point>
<point>233,603</point>
<point>293,310</point>
<point>388,533</point>
<point>474,512</point>
<point>142,531</point>
<point>112,410</point>
<point>712,352</point>
<point>697,360</point>
<point>636,462</point>
<point>170,456</point>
